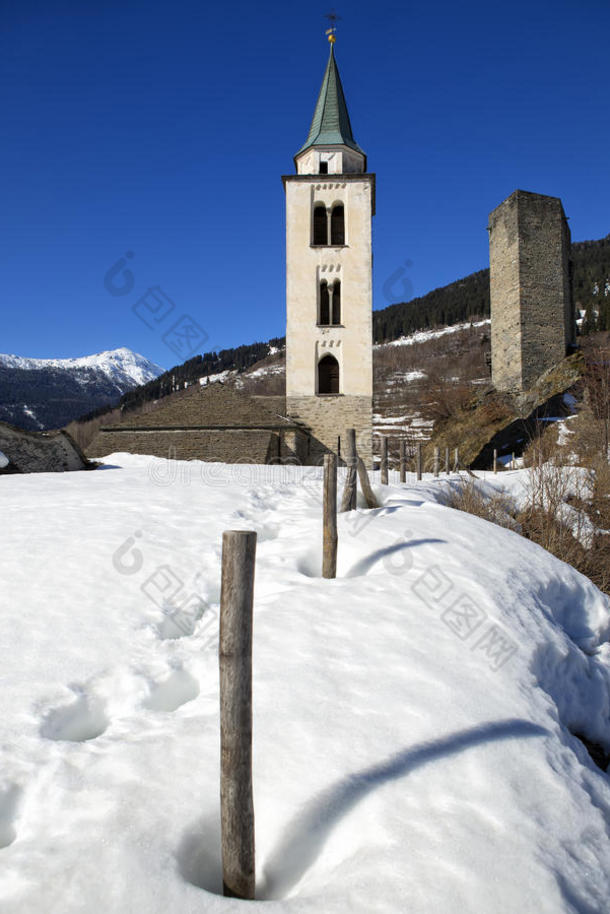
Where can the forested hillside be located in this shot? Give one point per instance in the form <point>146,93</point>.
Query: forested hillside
<point>591,283</point>
<point>452,304</point>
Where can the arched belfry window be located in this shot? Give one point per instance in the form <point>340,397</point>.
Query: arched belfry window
<point>328,375</point>
<point>320,224</point>
<point>324,317</point>
<point>337,224</point>
<point>336,316</point>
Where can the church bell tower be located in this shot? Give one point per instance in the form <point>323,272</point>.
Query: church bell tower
<point>330,202</point>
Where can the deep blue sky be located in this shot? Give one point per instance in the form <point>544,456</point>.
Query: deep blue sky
<point>162,128</point>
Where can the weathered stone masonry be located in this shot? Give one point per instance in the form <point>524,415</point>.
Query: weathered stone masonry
<point>212,423</point>
<point>330,416</point>
<point>532,318</point>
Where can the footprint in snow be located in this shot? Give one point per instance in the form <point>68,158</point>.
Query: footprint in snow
<point>82,720</point>
<point>194,616</point>
<point>9,802</point>
<point>173,692</point>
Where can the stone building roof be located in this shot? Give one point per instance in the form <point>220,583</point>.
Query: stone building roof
<point>212,406</point>
<point>331,124</point>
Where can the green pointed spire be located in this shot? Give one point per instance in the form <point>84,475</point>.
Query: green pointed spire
<point>331,125</point>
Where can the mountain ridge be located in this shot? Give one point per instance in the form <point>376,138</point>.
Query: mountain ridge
<point>112,361</point>
<point>37,394</point>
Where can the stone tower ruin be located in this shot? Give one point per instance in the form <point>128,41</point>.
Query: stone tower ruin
<point>532,316</point>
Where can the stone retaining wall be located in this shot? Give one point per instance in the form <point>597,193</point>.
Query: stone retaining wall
<point>232,445</point>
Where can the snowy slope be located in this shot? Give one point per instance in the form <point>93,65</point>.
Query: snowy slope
<point>422,336</point>
<point>126,368</point>
<point>412,718</point>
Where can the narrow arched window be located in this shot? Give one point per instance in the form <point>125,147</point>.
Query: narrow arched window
<point>336,303</point>
<point>337,225</point>
<point>320,224</point>
<point>324,304</point>
<point>328,375</point>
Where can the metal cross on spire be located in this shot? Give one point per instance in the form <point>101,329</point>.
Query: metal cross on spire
<point>331,32</point>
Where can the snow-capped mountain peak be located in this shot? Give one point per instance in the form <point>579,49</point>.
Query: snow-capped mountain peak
<point>48,393</point>
<point>120,365</point>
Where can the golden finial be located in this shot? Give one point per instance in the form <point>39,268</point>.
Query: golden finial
<point>330,33</point>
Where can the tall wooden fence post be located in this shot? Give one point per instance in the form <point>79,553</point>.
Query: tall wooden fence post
<point>447,468</point>
<point>437,460</point>
<point>329,546</point>
<point>403,460</point>
<point>495,460</point>
<point>348,501</point>
<point>235,661</point>
<point>419,462</point>
<point>384,461</point>
<point>456,460</point>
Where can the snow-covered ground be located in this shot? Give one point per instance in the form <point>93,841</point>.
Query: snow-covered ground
<point>406,377</point>
<point>411,423</point>
<point>219,376</point>
<point>422,336</point>
<point>412,717</point>
<point>30,412</point>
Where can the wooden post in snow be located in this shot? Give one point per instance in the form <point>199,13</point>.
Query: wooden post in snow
<point>495,460</point>
<point>235,660</point>
<point>447,468</point>
<point>384,461</point>
<point>419,462</point>
<point>365,485</point>
<point>403,460</point>
<point>456,460</point>
<point>437,460</point>
<point>329,545</point>
<point>348,501</point>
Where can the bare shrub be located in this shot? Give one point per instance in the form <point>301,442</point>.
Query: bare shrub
<point>557,495</point>
<point>597,380</point>
<point>597,565</point>
<point>444,396</point>
<point>391,359</point>
<point>567,510</point>
<point>542,449</point>
<point>584,435</point>
<point>84,432</point>
<point>499,507</point>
